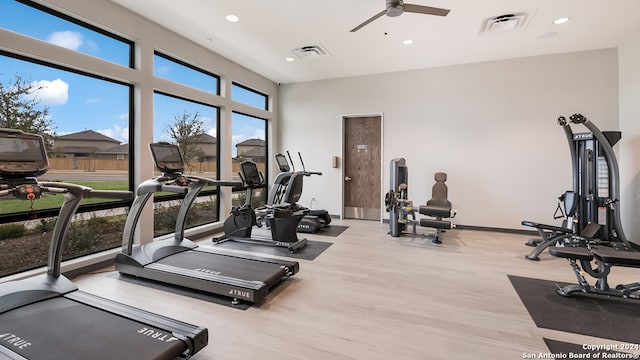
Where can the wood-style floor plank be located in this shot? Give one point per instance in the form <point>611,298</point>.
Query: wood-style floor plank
<point>371,296</point>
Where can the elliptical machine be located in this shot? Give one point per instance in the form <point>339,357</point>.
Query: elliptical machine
<point>315,220</point>
<point>282,219</point>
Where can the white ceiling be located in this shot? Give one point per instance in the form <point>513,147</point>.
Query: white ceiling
<point>269,30</point>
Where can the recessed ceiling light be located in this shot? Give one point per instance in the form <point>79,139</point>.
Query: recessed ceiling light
<point>232,18</point>
<point>561,20</point>
<point>290,59</point>
<point>407,42</point>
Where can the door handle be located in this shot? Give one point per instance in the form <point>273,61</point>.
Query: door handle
<point>346,178</point>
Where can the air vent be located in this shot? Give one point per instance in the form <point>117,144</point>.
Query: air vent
<point>311,52</point>
<point>506,23</point>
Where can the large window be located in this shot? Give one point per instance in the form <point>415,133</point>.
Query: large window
<point>249,96</point>
<point>193,127</point>
<point>34,20</point>
<point>172,69</point>
<point>249,135</point>
<point>85,120</point>
<point>86,123</point>
<point>85,110</point>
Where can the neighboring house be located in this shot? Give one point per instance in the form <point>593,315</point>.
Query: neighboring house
<point>209,147</point>
<point>118,152</point>
<point>89,144</point>
<point>252,149</point>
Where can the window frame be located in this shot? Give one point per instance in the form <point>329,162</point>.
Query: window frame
<point>81,23</point>
<point>84,208</point>
<point>266,97</point>
<point>158,53</point>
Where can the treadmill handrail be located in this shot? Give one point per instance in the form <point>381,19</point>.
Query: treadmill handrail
<point>144,191</point>
<point>72,197</point>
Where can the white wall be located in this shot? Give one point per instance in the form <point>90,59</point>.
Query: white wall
<point>629,58</point>
<point>491,126</point>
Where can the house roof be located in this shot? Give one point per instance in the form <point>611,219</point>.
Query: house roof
<point>251,142</point>
<point>80,149</point>
<point>118,149</point>
<point>206,139</point>
<point>254,153</point>
<point>87,135</point>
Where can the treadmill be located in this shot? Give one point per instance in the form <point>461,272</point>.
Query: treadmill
<point>181,262</point>
<point>46,316</point>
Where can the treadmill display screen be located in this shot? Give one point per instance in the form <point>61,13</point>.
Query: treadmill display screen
<point>22,154</point>
<point>167,157</point>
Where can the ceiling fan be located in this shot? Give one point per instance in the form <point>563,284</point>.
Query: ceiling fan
<point>397,7</point>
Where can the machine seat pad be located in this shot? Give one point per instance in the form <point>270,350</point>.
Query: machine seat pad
<point>547,227</point>
<point>436,224</point>
<point>579,253</point>
<point>618,257</point>
<point>437,211</point>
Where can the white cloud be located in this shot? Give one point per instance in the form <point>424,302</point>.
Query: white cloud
<point>117,132</point>
<point>68,39</point>
<point>212,132</point>
<point>52,92</point>
<point>124,116</point>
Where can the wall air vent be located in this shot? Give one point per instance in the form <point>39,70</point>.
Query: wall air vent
<point>506,23</point>
<point>311,52</point>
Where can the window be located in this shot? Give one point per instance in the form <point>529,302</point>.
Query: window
<point>193,127</point>
<point>248,96</point>
<point>62,104</point>
<point>175,70</point>
<point>249,135</point>
<point>37,21</point>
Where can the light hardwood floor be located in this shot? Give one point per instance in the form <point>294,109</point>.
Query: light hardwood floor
<point>371,296</point>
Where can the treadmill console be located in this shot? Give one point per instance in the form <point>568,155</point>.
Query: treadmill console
<point>22,154</point>
<point>167,157</point>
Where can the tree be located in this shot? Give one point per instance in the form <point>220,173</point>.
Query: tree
<point>185,132</point>
<point>19,109</point>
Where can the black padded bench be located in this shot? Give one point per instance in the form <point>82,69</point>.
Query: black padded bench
<point>580,260</point>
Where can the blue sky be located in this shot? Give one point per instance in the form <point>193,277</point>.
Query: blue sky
<point>78,102</point>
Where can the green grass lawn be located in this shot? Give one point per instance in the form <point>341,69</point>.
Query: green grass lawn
<point>9,204</point>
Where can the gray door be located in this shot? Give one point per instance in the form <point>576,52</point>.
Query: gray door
<point>362,162</point>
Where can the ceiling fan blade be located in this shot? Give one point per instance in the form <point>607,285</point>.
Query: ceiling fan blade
<point>425,10</point>
<point>369,20</point>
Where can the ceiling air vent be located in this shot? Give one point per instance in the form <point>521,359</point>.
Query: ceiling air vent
<point>506,23</point>
<point>311,52</point>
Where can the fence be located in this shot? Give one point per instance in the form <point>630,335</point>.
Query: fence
<point>88,164</point>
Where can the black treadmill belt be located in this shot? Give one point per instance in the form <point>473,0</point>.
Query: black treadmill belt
<point>61,328</point>
<point>230,266</point>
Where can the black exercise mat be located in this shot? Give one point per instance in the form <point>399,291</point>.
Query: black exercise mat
<point>598,316</point>
<point>309,252</point>
<point>192,293</point>
<point>332,230</point>
<point>578,351</point>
